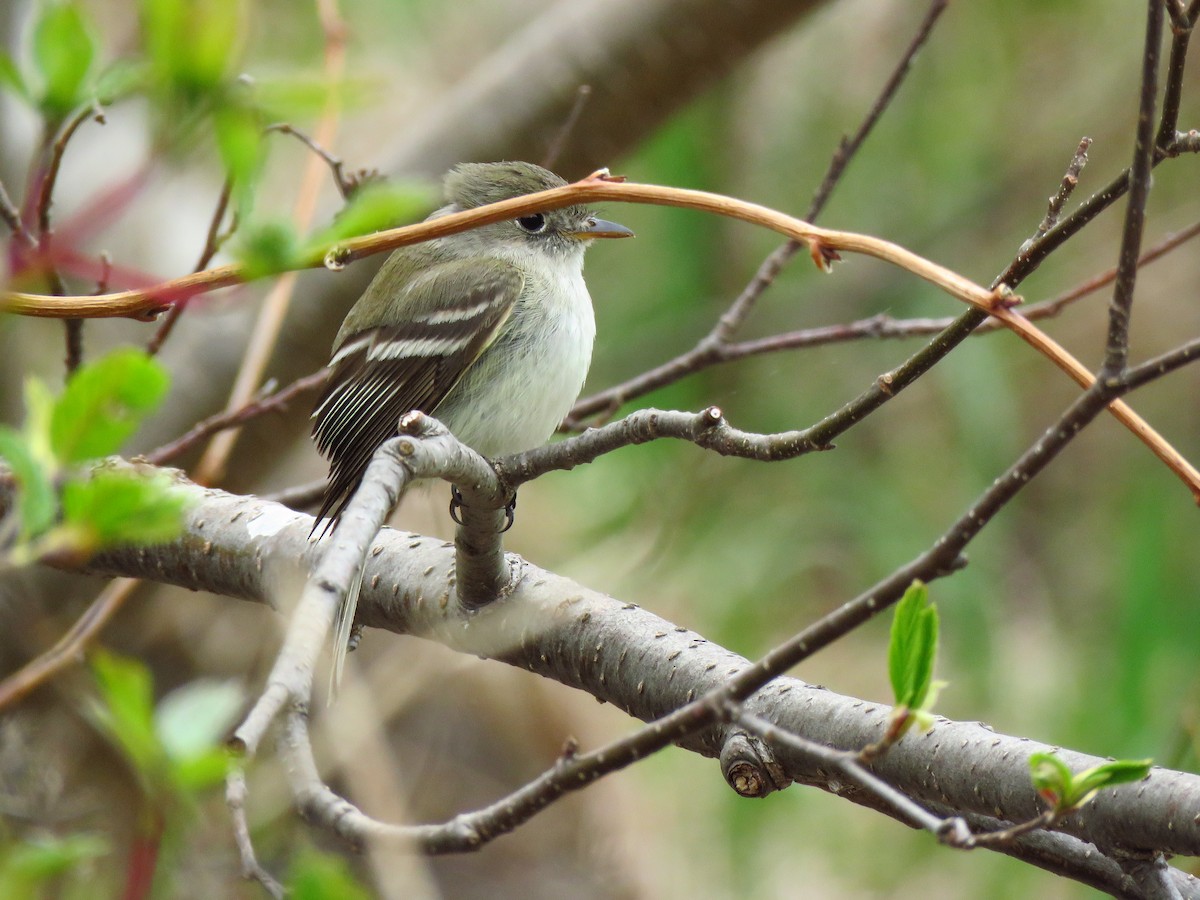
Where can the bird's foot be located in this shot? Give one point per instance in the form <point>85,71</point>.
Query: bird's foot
<point>457,504</point>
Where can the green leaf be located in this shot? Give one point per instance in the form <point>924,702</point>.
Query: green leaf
<point>124,711</point>
<point>913,647</point>
<point>192,43</point>
<point>115,507</point>
<point>1120,771</point>
<point>1066,792</point>
<point>119,80</point>
<point>268,248</point>
<point>200,772</point>
<point>39,408</point>
<point>316,875</point>
<point>104,403</point>
<point>1051,776</point>
<point>63,50</point>
<point>194,719</point>
<point>28,865</point>
<point>11,77</point>
<point>240,142</point>
<point>35,499</point>
<point>373,208</point>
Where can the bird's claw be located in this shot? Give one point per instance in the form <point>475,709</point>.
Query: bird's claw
<point>457,504</point>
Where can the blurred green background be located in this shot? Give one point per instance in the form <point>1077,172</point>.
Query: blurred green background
<point>1075,623</point>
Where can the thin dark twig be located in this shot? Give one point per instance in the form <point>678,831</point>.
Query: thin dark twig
<point>734,317</point>
<point>266,403</point>
<point>213,240</point>
<point>554,151</point>
<point>49,177</point>
<point>880,326</point>
<point>1173,89</point>
<point>345,184</point>
<point>848,764</point>
<point>1153,369</point>
<point>1179,16</point>
<point>12,218</point>
<point>1065,188</point>
<point>73,329</point>
<point>53,151</point>
<point>69,647</point>
<point>849,147</point>
<point>1028,259</point>
<point>105,273</point>
<point>1116,352</point>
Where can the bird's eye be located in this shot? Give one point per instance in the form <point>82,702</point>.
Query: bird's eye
<point>534,224</point>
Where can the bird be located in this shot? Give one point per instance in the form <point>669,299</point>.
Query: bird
<point>489,330</point>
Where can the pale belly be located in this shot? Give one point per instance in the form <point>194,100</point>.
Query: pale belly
<point>499,409</point>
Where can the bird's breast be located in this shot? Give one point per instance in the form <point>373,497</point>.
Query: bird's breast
<point>526,382</point>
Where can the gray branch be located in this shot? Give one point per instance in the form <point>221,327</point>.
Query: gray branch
<point>245,547</point>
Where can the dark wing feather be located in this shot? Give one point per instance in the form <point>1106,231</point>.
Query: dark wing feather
<point>380,373</point>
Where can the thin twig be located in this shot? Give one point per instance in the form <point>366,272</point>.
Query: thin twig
<point>1179,15</point>
<point>769,269</point>
<point>1116,352</point>
<point>951,831</point>
<point>555,149</point>
<point>235,799</point>
<point>259,406</point>
<point>12,218</point>
<point>213,240</point>
<point>69,648</point>
<point>1065,188</point>
<point>49,177</point>
<point>345,184</point>
<point>1173,88</point>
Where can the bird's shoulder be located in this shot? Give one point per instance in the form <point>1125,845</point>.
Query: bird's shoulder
<point>425,284</point>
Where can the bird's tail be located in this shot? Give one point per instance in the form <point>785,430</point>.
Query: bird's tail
<point>342,625</point>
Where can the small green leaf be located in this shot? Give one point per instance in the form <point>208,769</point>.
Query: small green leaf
<point>119,80</point>
<point>11,77</point>
<point>200,772</point>
<point>115,507</point>
<point>1066,792</point>
<point>240,142</point>
<point>375,207</point>
<point>913,647</point>
<point>195,718</point>
<point>268,248</point>
<point>1051,776</point>
<point>104,403</point>
<point>34,861</point>
<point>316,875</point>
<point>39,408</point>
<point>1120,771</point>
<point>35,499</point>
<point>63,49</point>
<point>124,711</point>
<point>192,43</point>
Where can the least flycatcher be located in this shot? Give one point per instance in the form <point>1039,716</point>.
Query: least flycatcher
<point>489,330</point>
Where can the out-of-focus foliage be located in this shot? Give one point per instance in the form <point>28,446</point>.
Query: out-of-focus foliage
<point>101,406</point>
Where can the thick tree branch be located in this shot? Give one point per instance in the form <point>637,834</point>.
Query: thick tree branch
<point>242,547</point>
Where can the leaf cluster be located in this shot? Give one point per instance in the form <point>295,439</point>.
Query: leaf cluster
<point>64,505</point>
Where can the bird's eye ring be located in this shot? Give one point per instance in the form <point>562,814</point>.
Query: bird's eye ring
<point>534,224</point>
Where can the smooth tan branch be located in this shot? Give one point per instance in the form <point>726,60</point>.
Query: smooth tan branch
<point>599,186</point>
<point>823,243</point>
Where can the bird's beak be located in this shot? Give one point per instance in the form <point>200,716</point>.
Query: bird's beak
<point>600,228</point>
